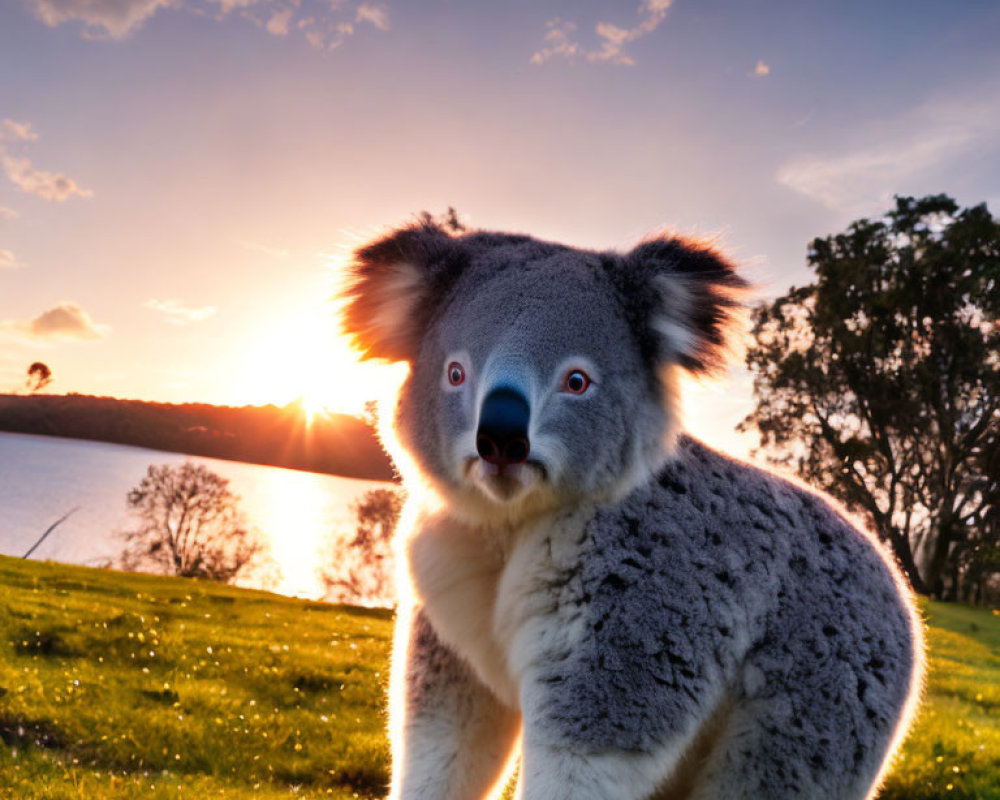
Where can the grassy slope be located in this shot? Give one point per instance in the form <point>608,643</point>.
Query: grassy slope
<point>128,686</point>
<point>953,750</point>
<point>131,686</point>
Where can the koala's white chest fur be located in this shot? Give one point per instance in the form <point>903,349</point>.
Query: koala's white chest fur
<point>490,596</point>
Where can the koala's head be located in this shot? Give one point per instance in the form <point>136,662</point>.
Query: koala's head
<point>539,373</point>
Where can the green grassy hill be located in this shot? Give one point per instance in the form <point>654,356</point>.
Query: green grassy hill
<point>115,685</point>
<point>954,749</point>
<point>130,686</point>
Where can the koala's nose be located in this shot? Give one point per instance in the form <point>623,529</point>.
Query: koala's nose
<point>502,437</point>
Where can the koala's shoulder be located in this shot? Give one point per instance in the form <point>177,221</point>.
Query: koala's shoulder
<point>713,545</point>
<point>713,550</point>
<point>701,502</point>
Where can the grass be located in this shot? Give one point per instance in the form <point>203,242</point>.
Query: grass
<point>129,686</point>
<point>953,750</point>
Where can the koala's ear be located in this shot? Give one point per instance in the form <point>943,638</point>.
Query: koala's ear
<point>693,294</point>
<point>392,287</point>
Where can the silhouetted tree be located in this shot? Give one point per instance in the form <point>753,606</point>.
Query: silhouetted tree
<point>976,567</point>
<point>188,524</point>
<point>880,382</point>
<point>362,569</point>
<point>39,376</point>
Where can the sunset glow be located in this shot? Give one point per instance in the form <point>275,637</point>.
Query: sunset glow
<point>172,183</point>
<point>304,359</point>
<point>661,274</point>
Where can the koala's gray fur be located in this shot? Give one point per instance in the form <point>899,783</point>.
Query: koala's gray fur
<point>654,619</point>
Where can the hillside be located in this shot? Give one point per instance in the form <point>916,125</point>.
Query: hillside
<point>337,444</point>
<point>128,686</point>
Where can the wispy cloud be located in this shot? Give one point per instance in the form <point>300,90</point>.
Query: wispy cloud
<point>179,314</point>
<point>326,26</point>
<point>278,24</point>
<point>932,135</point>
<point>66,321</point>
<point>8,261</point>
<point>761,70</point>
<point>612,39</point>
<point>17,131</point>
<point>226,6</point>
<point>376,15</point>
<point>558,41</point>
<point>101,18</point>
<point>24,175</point>
<point>257,247</point>
<point>47,185</point>
<point>8,213</point>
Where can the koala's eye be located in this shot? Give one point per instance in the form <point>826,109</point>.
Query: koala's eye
<point>576,382</point>
<point>456,374</point>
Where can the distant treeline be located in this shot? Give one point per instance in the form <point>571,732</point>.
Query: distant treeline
<point>336,444</point>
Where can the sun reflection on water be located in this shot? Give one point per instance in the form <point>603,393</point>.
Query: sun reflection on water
<point>299,513</point>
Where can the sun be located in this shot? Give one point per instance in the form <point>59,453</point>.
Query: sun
<point>313,407</point>
<point>304,359</point>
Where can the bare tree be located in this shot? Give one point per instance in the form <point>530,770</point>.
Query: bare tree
<point>39,376</point>
<point>361,570</point>
<point>188,523</point>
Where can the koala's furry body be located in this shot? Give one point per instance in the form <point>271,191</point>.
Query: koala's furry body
<point>649,617</point>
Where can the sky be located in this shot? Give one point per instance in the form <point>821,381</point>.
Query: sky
<point>180,179</point>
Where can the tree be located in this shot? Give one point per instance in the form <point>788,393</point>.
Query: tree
<point>188,524</point>
<point>39,376</point>
<point>363,571</point>
<point>880,382</point>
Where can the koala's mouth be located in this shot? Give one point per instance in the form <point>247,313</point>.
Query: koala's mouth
<point>505,483</point>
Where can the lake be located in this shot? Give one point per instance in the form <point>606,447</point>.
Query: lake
<point>42,478</point>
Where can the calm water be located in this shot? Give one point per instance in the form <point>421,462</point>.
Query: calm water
<point>41,478</point>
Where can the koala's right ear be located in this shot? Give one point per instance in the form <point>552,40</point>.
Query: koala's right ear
<point>392,286</point>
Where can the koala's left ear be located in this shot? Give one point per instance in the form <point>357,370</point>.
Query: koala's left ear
<point>392,287</point>
<point>692,295</point>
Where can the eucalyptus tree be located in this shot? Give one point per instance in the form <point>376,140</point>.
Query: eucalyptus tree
<point>880,383</point>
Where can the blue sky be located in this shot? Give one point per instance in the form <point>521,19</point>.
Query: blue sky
<point>178,177</point>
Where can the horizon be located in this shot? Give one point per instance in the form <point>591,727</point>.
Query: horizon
<point>180,182</point>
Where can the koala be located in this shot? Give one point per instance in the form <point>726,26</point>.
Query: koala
<point>584,588</point>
